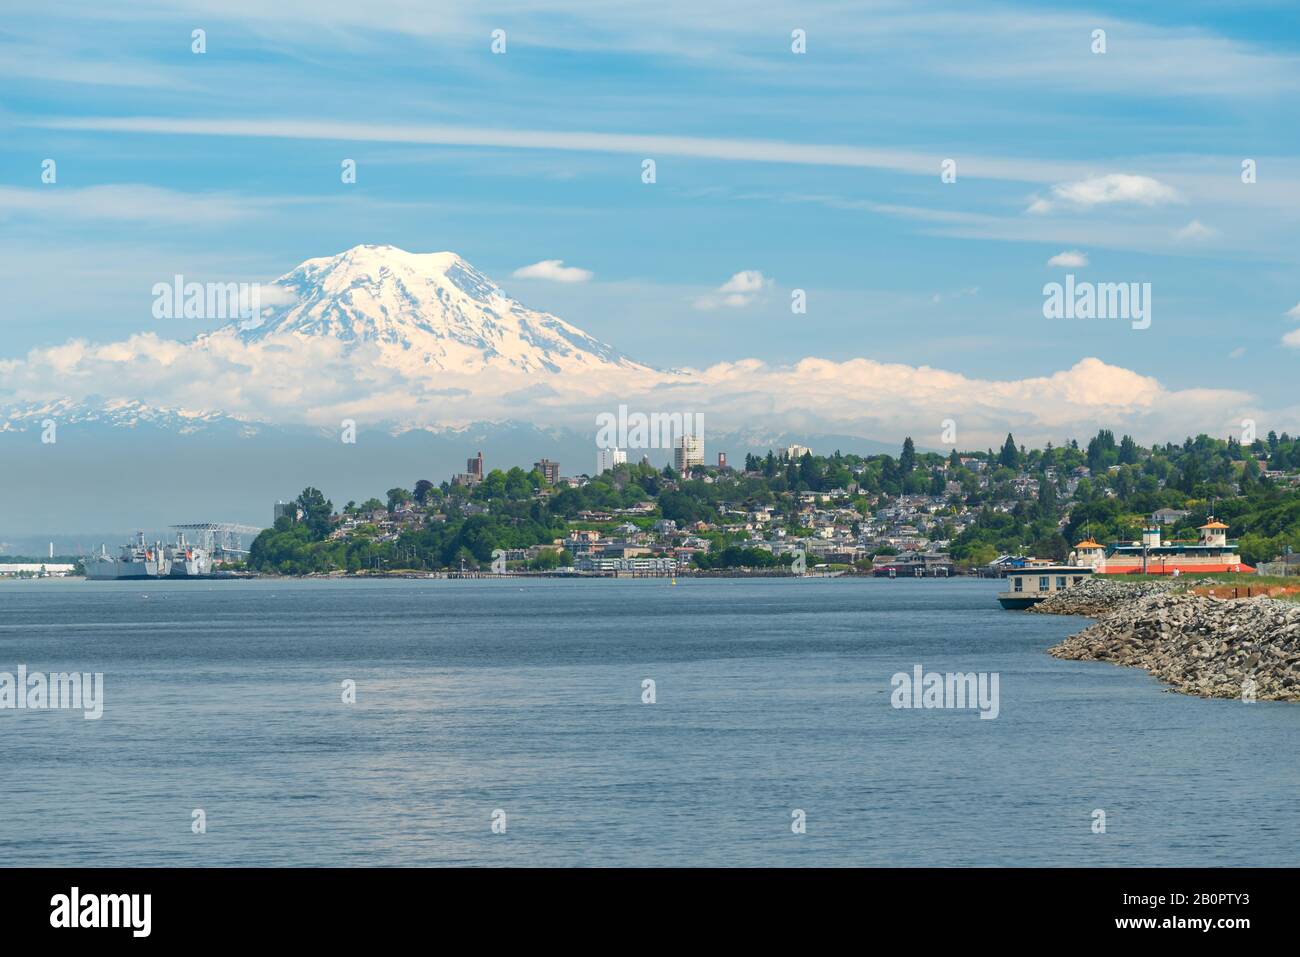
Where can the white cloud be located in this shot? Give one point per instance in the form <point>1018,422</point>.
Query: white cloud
<point>1070,259</point>
<point>1292,338</point>
<point>553,270</point>
<point>1108,190</point>
<point>321,380</point>
<point>740,290</point>
<point>1196,231</point>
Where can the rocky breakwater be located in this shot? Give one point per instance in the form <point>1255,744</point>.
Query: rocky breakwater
<point>1098,597</point>
<point>1210,647</point>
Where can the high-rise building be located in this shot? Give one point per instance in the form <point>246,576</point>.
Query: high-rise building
<point>606,459</point>
<point>722,460</point>
<point>688,453</point>
<point>474,466</point>
<point>550,471</point>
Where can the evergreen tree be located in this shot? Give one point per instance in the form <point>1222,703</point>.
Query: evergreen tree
<point>1010,457</point>
<point>907,461</point>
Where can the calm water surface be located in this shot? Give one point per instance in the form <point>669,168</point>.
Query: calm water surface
<point>526,696</point>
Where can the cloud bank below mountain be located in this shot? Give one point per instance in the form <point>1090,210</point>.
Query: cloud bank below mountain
<point>322,381</point>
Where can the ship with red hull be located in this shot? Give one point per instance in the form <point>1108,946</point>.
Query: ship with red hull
<point>1211,552</point>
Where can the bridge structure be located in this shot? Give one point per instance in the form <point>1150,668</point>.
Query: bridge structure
<point>222,540</point>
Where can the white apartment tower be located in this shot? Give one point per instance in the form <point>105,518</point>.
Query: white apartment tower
<point>606,459</point>
<point>688,453</point>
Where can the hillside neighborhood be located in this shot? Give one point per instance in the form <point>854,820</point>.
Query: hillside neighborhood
<point>915,514</point>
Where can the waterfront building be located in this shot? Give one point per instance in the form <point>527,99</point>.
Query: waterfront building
<point>1211,552</point>
<point>631,566</point>
<point>1088,552</point>
<point>36,570</point>
<point>915,565</point>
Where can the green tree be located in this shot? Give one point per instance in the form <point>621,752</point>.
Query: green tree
<point>907,460</point>
<point>316,510</point>
<point>1010,456</point>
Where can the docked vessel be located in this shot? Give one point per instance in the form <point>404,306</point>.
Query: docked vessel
<point>1211,552</point>
<point>143,560</point>
<point>186,560</point>
<point>135,560</point>
<point>1031,584</point>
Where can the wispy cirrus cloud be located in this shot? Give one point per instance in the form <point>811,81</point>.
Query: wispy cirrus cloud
<point>637,144</point>
<point>126,203</point>
<point>992,45</point>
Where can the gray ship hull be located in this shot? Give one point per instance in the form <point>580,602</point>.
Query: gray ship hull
<point>193,568</point>
<point>115,569</point>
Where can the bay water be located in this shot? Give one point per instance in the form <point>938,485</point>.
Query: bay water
<point>525,702</point>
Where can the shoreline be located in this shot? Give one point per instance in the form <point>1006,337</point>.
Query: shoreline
<point>1210,647</point>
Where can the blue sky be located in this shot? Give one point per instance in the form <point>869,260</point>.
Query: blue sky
<point>819,171</point>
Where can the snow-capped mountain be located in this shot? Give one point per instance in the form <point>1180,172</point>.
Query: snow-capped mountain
<point>430,310</point>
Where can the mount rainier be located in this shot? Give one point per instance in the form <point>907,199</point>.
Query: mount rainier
<point>429,312</point>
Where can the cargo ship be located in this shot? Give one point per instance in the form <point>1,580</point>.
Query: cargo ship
<point>139,560</point>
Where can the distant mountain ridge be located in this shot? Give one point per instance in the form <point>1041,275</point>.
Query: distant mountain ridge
<point>117,413</point>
